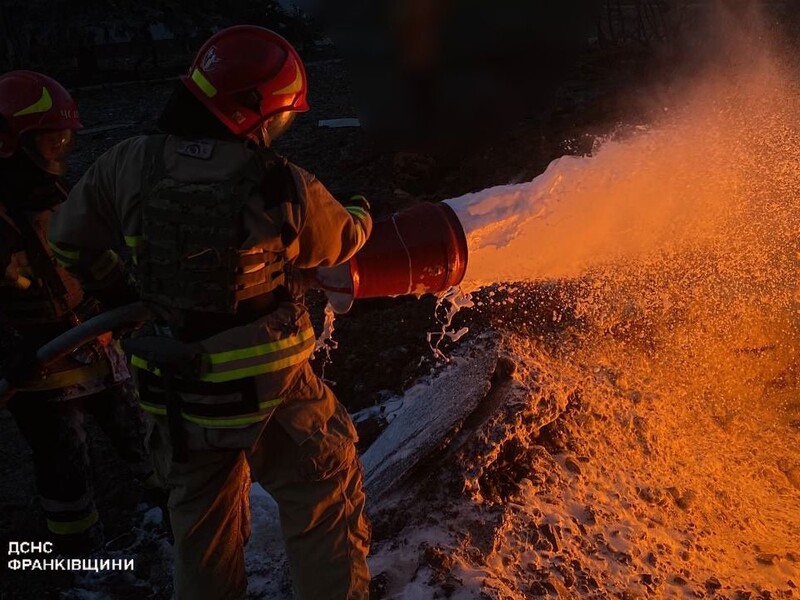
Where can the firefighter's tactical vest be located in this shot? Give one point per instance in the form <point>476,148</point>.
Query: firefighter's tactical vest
<point>190,257</point>
<point>219,390</point>
<point>35,289</point>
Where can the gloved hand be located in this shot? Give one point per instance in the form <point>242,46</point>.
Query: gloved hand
<point>299,281</point>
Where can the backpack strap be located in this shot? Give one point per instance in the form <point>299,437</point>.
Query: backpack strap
<point>280,192</point>
<point>153,167</point>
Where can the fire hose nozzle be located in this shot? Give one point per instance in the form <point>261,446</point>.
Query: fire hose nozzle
<point>417,251</point>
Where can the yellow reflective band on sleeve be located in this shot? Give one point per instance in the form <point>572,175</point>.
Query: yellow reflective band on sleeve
<point>357,212</point>
<point>204,84</point>
<point>72,527</point>
<point>262,349</point>
<point>132,242</point>
<point>66,257</point>
<point>141,363</point>
<point>362,235</point>
<point>212,422</point>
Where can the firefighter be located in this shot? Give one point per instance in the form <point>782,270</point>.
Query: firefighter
<point>217,223</point>
<point>39,300</point>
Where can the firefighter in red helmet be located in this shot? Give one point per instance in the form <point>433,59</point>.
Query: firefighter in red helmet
<point>39,300</point>
<point>218,222</point>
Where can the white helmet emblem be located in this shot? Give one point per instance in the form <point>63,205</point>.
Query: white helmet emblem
<point>210,60</point>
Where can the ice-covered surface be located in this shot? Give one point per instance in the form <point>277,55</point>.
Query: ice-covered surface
<point>265,557</point>
<point>431,411</point>
<point>147,545</point>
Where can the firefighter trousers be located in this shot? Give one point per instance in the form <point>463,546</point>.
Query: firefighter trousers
<point>56,433</point>
<point>318,488</point>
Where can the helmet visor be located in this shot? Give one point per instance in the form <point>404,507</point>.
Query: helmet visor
<point>50,148</point>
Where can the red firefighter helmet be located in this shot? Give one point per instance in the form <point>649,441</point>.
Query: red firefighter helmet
<point>37,105</point>
<point>246,74</point>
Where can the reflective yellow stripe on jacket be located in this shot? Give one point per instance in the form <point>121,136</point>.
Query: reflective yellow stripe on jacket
<point>67,257</point>
<point>73,527</point>
<point>236,364</point>
<point>217,422</point>
<point>133,242</point>
<point>251,361</point>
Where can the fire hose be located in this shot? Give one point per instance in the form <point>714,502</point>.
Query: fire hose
<point>86,332</point>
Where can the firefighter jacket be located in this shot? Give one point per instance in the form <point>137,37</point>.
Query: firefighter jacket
<point>40,299</point>
<point>232,377</point>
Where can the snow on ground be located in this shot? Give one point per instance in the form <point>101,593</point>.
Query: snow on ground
<point>265,556</point>
<point>431,412</point>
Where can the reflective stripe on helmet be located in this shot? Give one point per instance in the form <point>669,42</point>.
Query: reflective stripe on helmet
<point>247,58</point>
<point>42,105</point>
<point>295,86</point>
<point>204,84</point>
<point>31,101</point>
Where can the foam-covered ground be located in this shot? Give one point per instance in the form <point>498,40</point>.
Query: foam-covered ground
<point>593,480</point>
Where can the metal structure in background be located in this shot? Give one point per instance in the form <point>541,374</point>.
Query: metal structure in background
<point>639,21</point>
<point>647,22</point>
